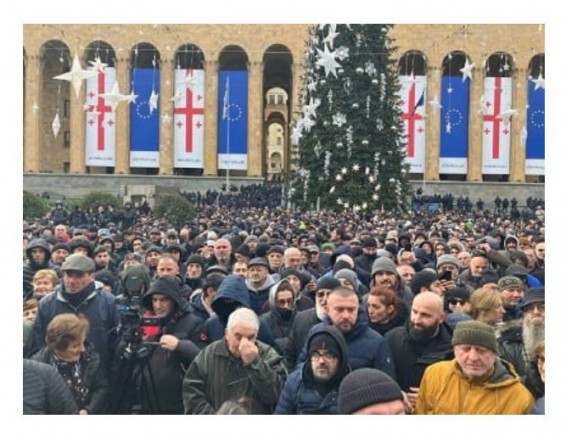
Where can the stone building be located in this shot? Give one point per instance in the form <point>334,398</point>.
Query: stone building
<point>57,122</point>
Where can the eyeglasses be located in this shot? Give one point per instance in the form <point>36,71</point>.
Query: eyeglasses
<point>456,301</point>
<point>317,355</point>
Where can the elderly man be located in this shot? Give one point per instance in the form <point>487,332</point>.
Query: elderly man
<point>476,381</point>
<point>312,389</point>
<point>517,343</point>
<point>258,282</point>
<point>234,367</point>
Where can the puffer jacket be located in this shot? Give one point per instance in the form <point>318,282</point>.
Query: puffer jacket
<point>444,390</point>
<point>300,395</point>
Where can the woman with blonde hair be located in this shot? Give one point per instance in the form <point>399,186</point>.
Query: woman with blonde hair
<point>486,305</point>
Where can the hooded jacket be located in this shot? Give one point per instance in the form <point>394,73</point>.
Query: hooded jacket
<point>300,395</point>
<point>232,293</point>
<point>279,320</point>
<point>31,268</point>
<point>444,390</point>
<point>366,347</point>
<point>258,297</point>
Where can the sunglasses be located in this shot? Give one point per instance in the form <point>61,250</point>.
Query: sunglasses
<point>457,301</point>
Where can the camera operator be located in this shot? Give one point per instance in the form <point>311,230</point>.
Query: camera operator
<point>174,345</point>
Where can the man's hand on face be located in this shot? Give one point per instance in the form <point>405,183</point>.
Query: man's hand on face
<point>248,351</point>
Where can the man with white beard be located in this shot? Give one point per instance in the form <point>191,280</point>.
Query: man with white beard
<point>517,343</point>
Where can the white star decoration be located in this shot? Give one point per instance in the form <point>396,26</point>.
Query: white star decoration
<point>296,135</point>
<point>98,65</point>
<point>153,101</point>
<point>166,119</point>
<point>326,59</point>
<point>484,108</point>
<point>56,125</point>
<point>505,116</point>
<point>467,71</point>
<point>131,98</point>
<point>310,109</point>
<point>190,80</point>
<point>114,97</point>
<point>331,36</point>
<point>435,104</point>
<point>356,168</point>
<point>178,95</point>
<point>76,75</point>
<point>539,82</point>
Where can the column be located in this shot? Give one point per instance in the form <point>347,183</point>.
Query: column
<point>475,128</point>
<point>519,102</point>
<point>166,129</point>
<point>77,124</point>
<point>211,118</point>
<point>122,165</point>
<point>432,149</point>
<point>32,114</point>
<point>255,118</point>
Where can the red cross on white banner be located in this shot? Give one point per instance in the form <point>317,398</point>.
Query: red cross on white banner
<point>494,118</point>
<point>100,109</point>
<point>411,116</point>
<point>189,111</point>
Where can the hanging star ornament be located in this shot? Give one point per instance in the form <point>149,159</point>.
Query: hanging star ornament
<point>505,116</point>
<point>114,97</point>
<point>435,104</point>
<point>190,80</point>
<point>98,65</point>
<point>467,71</point>
<point>131,98</point>
<point>327,60</point>
<point>331,36</point>
<point>76,75</point>
<point>153,98</point>
<point>166,119</point>
<point>56,125</point>
<point>539,82</point>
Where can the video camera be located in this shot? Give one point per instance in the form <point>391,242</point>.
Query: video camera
<point>132,320</point>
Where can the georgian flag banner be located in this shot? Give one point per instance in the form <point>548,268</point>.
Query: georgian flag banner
<point>454,117</point>
<point>496,131</point>
<point>534,164</point>
<point>100,120</point>
<point>144,123</point>
<point>188,111</point>
<point>233,120</point>
<point>412,98</point>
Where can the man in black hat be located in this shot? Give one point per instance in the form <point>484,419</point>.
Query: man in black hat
<point>368,256</point>
<point>512,289</point>
<point>275,258</point>
<point>517,342</point>
<point>312,389</point>
<point>195,271</point>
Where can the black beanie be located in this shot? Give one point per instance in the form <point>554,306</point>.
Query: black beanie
<point>324,341</point>
<point>327,282</point>
<point>365,387</point>
<point>421,279</point>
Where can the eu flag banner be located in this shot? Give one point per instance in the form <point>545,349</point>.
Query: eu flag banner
<point>412,95</point>
<point>534,153</point>
<point>100,120</point>
<point>454,121</point>
<point>233,120</point>
<point>144,123</point>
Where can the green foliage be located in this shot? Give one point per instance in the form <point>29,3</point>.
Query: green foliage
<point>351,152</point>
<point>34,206</point>
<point>95,199</point>
<point>175,208</point>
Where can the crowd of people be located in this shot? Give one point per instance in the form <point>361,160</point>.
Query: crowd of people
<point>250,308</point>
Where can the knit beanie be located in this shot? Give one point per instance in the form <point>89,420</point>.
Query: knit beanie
<point>475,333</point>
<point>509,282</point>
<point>383,264</point>
<point>422,279</point>
<point>349,276</point>
<point>447,258</point>
<point>365,387</point>
<point>324,341</point>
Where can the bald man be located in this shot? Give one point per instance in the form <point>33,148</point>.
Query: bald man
<point>423,340</point>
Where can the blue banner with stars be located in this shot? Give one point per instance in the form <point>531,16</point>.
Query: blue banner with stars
<point>144,121</point>
<point>454,118</point>
<point>534,153</point>
<point>233,120</point>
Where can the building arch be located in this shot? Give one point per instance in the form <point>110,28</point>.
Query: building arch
<point>413,62</point>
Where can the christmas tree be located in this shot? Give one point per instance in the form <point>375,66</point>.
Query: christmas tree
<point>351,146</point>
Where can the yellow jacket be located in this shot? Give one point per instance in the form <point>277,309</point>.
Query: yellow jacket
<point>445,391</point>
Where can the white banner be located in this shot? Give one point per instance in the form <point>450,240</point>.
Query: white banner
<point>188,121</point>
<point>100,120</point>
<point>412,96</point>
<point>496,126</point>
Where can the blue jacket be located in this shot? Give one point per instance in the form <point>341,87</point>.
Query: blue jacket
<point>300,395</point>
<point>232,288</point>
<point>366,347</point>
<point>98,307</point>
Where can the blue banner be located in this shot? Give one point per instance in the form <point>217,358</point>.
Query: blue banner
<point>233,120</point>
<point>454,117</point>
<point>144,122</point>
<point>535,123</point>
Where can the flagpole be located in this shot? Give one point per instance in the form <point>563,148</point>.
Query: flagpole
<point>228,153</point>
